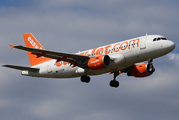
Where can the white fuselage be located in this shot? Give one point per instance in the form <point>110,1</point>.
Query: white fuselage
<point>123,54</point>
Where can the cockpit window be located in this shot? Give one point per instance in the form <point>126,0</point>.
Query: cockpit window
<point>164,38</point>
<point>160,38</point>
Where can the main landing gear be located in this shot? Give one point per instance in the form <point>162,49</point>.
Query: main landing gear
<point>85,78</point>
<point>114,82</point>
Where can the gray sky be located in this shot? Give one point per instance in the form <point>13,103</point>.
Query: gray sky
<point>72,25</point>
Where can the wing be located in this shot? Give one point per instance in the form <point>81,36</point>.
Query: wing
<point>75,59</point>
<point>22,68</point>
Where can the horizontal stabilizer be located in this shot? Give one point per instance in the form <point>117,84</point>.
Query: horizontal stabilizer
<point>22,68</point>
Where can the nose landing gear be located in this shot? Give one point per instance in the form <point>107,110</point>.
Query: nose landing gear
<point>150,66</point>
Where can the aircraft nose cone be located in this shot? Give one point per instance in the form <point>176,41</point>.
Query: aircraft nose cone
<point>171,45</point>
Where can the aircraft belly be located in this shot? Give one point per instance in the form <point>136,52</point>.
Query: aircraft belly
<point>131,57</point>
<point>65,71</point>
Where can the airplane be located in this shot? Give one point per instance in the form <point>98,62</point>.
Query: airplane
<point>127,56</point>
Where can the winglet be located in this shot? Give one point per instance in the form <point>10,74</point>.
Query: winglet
<point>12,46</point>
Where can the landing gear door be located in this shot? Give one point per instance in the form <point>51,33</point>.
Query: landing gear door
<point>143,42</point>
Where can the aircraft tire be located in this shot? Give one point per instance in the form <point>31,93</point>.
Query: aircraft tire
<point>85,79</point>
<point>114,83</point>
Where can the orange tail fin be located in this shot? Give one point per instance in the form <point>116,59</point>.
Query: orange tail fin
<point>31,41</point>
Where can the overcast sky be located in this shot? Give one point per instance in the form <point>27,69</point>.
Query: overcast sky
<point>72,25</point>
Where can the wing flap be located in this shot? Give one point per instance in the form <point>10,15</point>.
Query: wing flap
<point>22,68</point>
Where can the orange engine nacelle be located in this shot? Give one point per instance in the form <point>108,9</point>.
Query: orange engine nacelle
<point>99,62</point>
<point>142,70</point>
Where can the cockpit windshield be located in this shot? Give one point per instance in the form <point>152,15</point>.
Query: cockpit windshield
<point>160,38</point>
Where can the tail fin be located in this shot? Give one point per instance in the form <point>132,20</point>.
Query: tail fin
<point>31,41</point>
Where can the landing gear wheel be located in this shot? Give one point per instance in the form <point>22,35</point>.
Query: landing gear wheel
<point>150,66</point>
<point>85,79</point>
<point>114,83</point>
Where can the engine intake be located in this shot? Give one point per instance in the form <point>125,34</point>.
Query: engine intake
<point>142,70</point>
<point>99,62</point>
